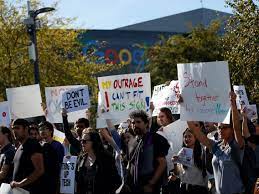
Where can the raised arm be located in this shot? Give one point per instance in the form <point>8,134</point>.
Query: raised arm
<point>245,130</point>
<point>235,119</point>
<point>71,139</point>
<point>202,138</point>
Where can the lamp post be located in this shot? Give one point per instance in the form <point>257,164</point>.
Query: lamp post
<point>31,24</point>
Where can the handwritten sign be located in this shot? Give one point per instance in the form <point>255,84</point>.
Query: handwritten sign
<point>5,118</point>
<point>157,90</point>
<point>242,99</point>
<point>54,104</point>
<point>166,96</point>
<point>205,89</point>
<point>122,94</point>
<point>185,157</point>
<point>67,177</point>
<point>25,101</point>
<point>251,111</point>
<point>76,99</point>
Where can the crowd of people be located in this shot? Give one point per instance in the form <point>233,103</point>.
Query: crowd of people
<point>134,157</point>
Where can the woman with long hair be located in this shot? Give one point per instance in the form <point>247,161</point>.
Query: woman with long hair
<point>193,178</point>
<point>96,170</point>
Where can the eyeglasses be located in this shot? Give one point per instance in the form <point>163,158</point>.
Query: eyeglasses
<point>84,141</point>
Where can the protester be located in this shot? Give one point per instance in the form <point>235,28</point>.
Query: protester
<point>227,153</point>
<point>96,171</point>
<point>28,160</point>
<point>34,132</point>
<point>7,152</point>
<point>80,125</point>
<point>172,184</point>
<point>46,133</point>
<point>193,178</point>
<point>249,170</point>
<point>147,162</point>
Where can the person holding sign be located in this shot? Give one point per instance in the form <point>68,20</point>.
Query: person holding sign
<point>96,171</point>
<point>81,124</point>
<point>227,153</point>
<point>191,169</point>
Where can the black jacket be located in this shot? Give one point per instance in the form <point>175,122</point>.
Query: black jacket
<point>106,180</point>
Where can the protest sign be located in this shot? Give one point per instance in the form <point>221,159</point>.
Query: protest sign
<point>251,111</point>
<point>122,94</point>
<point>67,178</point>
<point>166,96</point>
<point>101,123</point>
<point>174,135</point>
<point>5,119</point>
<point>6,189</point>
<point>54,104</point>
<point>76,99</point>
<point>205,90</point>
<point>59,136</point>
<point>25,101</point>
<point>185,157</point>
<point>242,99</point>
<point>157,89</point>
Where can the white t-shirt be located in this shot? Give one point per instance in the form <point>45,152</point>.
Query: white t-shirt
<point>192,175</point>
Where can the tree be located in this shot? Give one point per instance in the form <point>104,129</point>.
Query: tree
<point>60,52</point>
<point>241,44</point>
<point>201,44</point>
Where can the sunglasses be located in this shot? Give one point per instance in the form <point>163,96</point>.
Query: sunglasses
<point>84,141</point>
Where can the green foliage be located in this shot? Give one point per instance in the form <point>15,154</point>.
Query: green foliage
<point>241,45</point>
<point>201,44</point>
<point>61,60</point>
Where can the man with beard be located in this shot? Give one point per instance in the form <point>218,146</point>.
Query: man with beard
<point>28,159</point>
<point>147,161</point>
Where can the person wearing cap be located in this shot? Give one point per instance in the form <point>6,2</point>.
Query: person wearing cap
<point>28,160</point>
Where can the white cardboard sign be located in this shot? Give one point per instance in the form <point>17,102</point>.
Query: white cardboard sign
<point>76,99</point>
<point>67,177</point>
<point>205,90</point>
<point>122,94</point>
<point>185,157</point>
<point>5,118</point>
<point>25,101</point>
<point>54,104</point>
<point>166,96</point>
<point>174,134</point>
<point>242,99</point>
<point>6,189</point>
